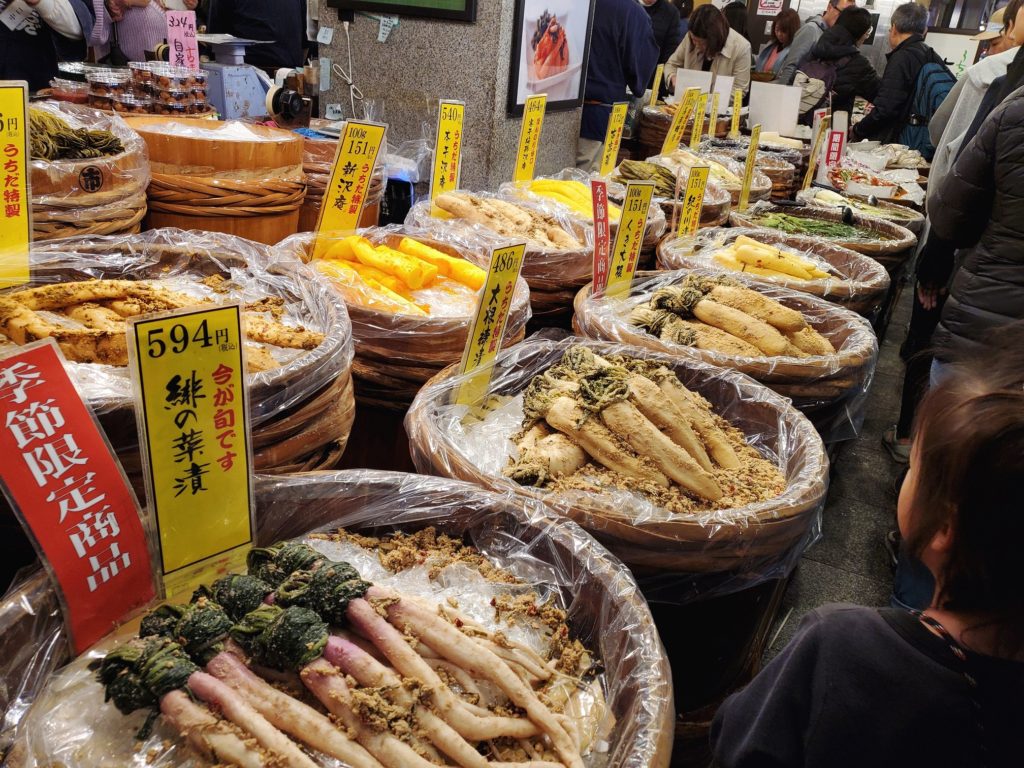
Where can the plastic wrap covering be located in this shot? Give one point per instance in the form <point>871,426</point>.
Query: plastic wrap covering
<point>702,553</point>
<point>656,223</point>
<point>69,724</point>
<point>554,273</point>
<point>724,171</point>
<point>830,389</point>
<point>102,195</point>
<point>737,149</point>
<point>397,352</point>
<point>894,213</point>
<point>232,177</point>
<point>779,171</point>
<point>717,200</point>
<point>656,121</point>
<point>856,282</point>
<point>317,162</point>
<point>858,178</point>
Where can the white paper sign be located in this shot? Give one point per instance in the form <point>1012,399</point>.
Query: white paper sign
<point>775,107</point>
<point>325,74</point>
<point>387,23</point>
<point>689,78</point>
<point>14,15</point>
<point>325,35</point>
<point>769,7</point>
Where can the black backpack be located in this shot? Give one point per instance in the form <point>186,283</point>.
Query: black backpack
<point>934,82</point>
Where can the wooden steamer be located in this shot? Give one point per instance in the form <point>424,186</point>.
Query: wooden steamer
<point>229,177</point>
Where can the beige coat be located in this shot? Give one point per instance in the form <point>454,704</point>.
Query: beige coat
<point>732,61</point>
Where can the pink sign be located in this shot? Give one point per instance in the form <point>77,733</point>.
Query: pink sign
<point>181,39</point>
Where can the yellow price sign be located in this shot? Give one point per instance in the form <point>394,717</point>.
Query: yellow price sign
<point>713,121</point>
<point>682,117</point>
<point>529,137</point>
<point>629,239</point>
<point>447,171</point>
<point>659,73</point>
<point>748,170</point>
<point>16,202</point>
<point>819,139</point>
<point>487,330</point>
<point>698,121</point>
<point>345,195</point>
<point>613,138</point>
<point>693,201</point>
<point>192,409</point>
<point>737,105</point>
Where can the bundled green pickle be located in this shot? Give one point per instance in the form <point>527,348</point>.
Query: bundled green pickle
<point>53,139</point>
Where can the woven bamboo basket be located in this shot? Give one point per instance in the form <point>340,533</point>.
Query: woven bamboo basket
<point>892,252</point>
<point>751,540</point>
<point>97,196</point>
<point>860,283</point>
<point>395,353</point>
<point>900,215</point>
<point>655,122</point>
<point>229,177</point>
<point>317,161</point>
<point>760,184</point>
<point>780,172</point>
<point>766,153</point>
<point>604,607</point>
<point>831,390</point>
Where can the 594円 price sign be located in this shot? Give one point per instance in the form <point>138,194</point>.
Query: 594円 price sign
<point>192,407</point>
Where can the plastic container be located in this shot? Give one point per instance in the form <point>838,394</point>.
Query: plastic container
<point>173,96</point>
<point>110,83</point>
<point>169,77</point>
<point>138,105</point>
<point>142,72</point>
<point>171,110</point>
<point>69,90</point>
<point>101,102</point>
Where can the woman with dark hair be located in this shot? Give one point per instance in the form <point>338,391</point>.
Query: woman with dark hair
<point>736,14</point>
<point>712,46</point>
<point>773,56</point>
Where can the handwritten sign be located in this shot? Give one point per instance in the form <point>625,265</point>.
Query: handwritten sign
<point>354,162</point>
<point>698,121</point>
<point>488,327</point>
<point>602,235</point>
<point>748,169</point>
<point>16,222</point>
<point>819,139</point>
<point>69,492</point>
<point>613,138</point>
<point>181,39</point>
<point>447,170</point>
<point>679,121</point>
<point>529,137</point>
<point>693,202</point>
<point>192,408</point>
<point>737,106</point>
<point>630,237</point>
<point>659,73</point>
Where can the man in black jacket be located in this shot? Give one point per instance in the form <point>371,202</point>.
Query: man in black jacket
<point>668,28</point>
<point>841,44</point>
<point>896,93</point>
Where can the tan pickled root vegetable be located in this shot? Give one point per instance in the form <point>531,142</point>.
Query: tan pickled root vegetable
<point>509,219</point>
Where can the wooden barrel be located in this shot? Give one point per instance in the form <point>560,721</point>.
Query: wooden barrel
<point>232,177</point>
<point>604,608</point>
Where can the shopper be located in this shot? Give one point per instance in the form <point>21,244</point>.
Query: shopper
<point>623,56</point>
<point>945,688</point>
<point>808,36</point>
<point>836,69</point>
<point>668,28</point>
<point>685,8</point>
<point>712,46</point>
<point>141,25</point>
<point>51,31</point>
<point>283,21</point>
<point>736,14</point>
<point>891,117</point>
<point>773,55</point>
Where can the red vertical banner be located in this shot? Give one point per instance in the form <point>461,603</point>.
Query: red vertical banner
<point>69,491</point>
<point>602,235</point>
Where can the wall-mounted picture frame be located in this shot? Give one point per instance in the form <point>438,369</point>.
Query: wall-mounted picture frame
<point>451,10</point>
<point>550,51</point>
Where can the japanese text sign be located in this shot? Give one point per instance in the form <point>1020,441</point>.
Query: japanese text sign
<point>181,39</point>
<point>630,236</point>
<point>602,235</point>
<point>834,143</point>
<point>16,221</point>
<point>192,408</point>
<point>354,162</point>
<point>737,106</point>
<point>698,121</point>
<point>659,73</point>
<point>529,137</point>
<point>70,493</point>
<point>488,327</point>
<point>613,138</point>
<point>693,202</point>
<point>819,139</point>
<point>748,169</point>
<point>679,121</point>
<point>447,170</point>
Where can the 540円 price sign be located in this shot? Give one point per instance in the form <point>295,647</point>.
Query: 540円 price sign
<point>192,407</point>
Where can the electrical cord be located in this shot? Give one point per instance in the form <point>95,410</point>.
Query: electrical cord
<point>355,95</point>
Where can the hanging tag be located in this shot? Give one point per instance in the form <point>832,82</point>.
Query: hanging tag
<point>659,73</point>
<point>487,330</point>
<point>387,23</point>
<point>447,169</point>
<point>630,237</point>
<point>181,39</point>
<point>602,235</point>
<point>819,140</point>
<point>16,202</point>
<point>333,112</point>
<point>693,202</point>
<point>529,137</point>
<point>325,74</point>
<point>698,121</point>
<point>70,493</point>
<point>325,36</point>
<point>675,132</point>
<point>748,170</point>
<point>16,14</point>
<point>737,106</point>
<point>613,137</point>
<point>345,196</point>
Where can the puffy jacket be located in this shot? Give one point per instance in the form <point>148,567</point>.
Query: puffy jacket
<point>668,28</point>
<point>982,204</point>
<point>855,77</point>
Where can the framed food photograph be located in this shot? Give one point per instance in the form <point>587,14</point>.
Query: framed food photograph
<point>550,50</point>
<point>453,10</point>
